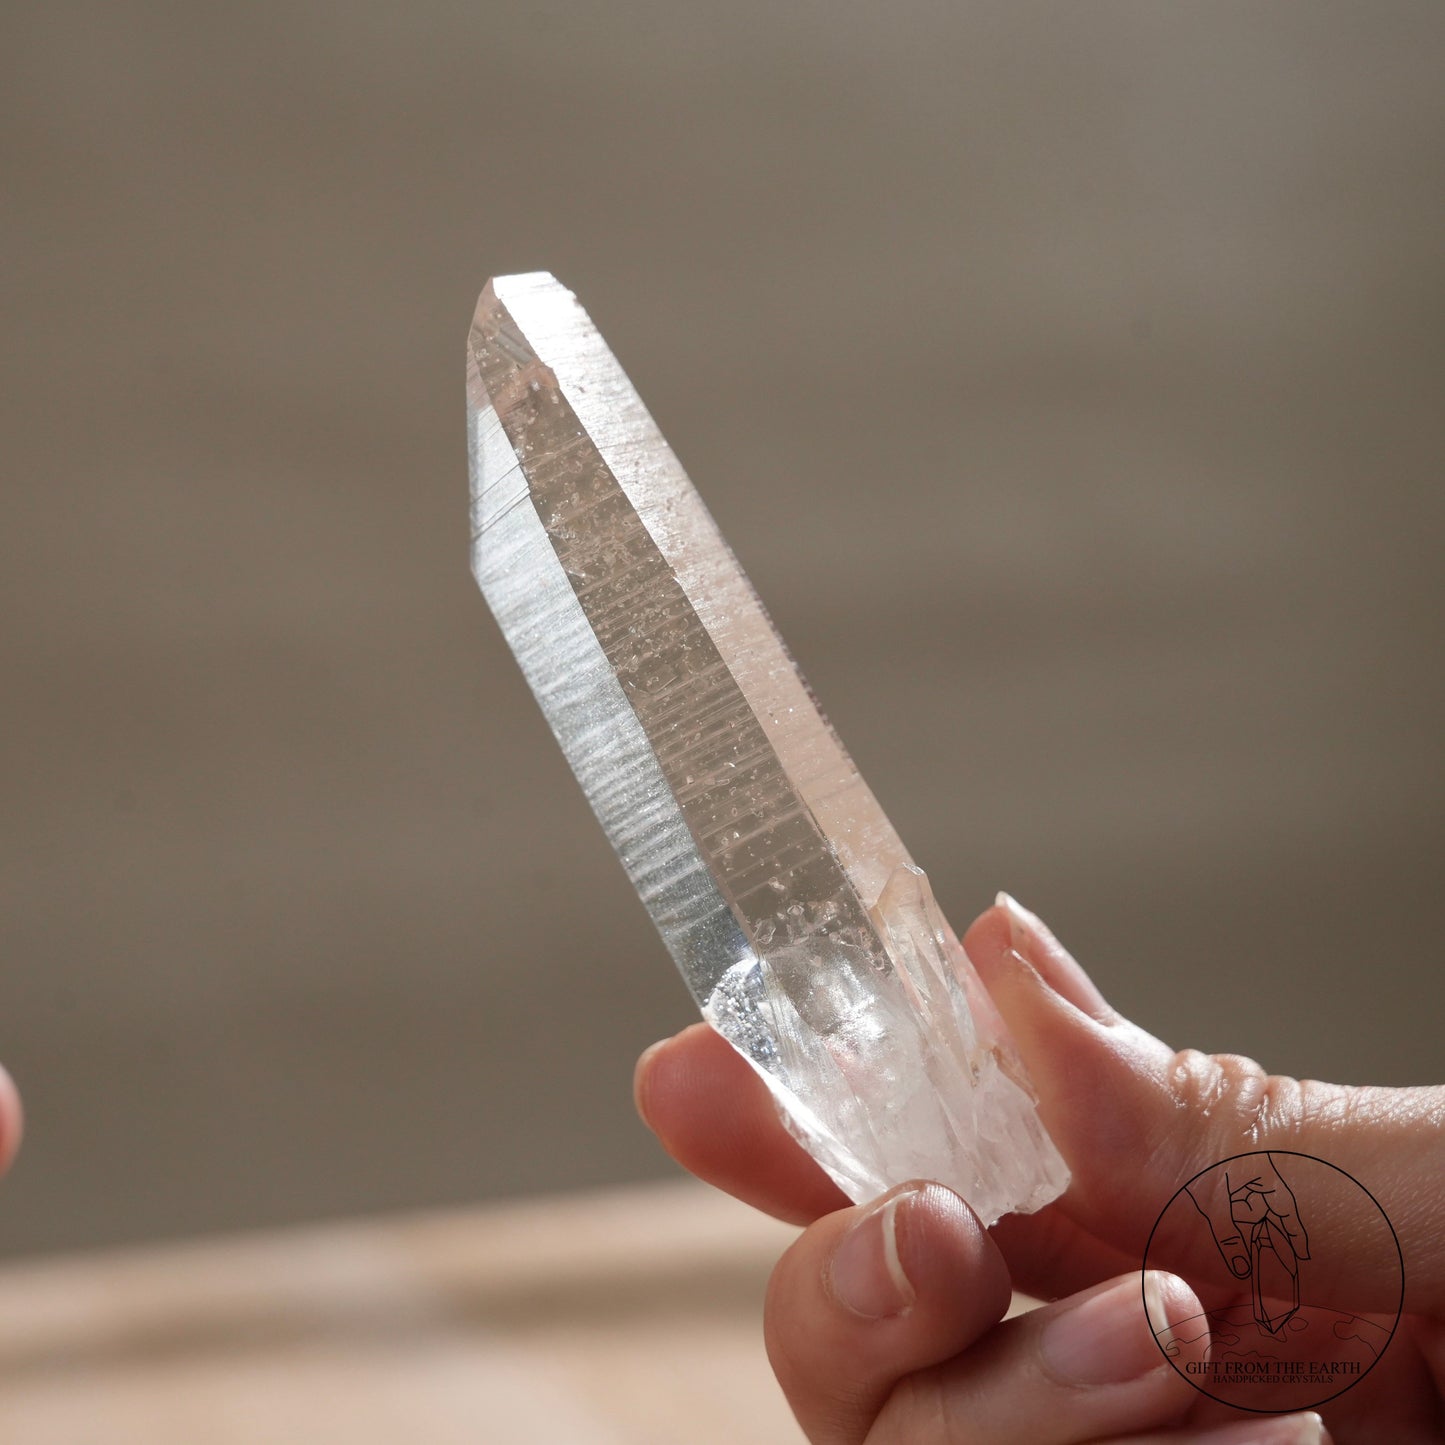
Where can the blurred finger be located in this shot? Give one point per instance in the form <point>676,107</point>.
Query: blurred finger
<point>12,1120</point>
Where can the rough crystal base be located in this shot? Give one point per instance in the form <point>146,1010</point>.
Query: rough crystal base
<point>880,1072</point>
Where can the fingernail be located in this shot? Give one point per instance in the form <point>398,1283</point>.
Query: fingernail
<point>865,1274</point>
<point>1033,942</point>
<point>1107,1339</point>
<point>1306,1429</point>
<point>1020,922</point>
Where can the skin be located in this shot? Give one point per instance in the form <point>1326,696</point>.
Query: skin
<point>1134,1119</point>
<point>12,1120</point>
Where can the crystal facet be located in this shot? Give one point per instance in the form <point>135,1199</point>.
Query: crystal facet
<point>806,934</point>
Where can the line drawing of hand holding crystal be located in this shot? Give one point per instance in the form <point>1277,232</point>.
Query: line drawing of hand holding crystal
<point>1257,1345</point>
<point>1254,1217</point>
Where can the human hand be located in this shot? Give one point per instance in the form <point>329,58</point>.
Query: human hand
<point>884,1320</point>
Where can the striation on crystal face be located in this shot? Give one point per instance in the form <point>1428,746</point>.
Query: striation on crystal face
<point>803,929</point>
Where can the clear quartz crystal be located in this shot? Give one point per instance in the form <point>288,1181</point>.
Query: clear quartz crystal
<point>806,934</point>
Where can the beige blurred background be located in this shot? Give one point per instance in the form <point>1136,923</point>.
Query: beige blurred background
<point>1068,377</point>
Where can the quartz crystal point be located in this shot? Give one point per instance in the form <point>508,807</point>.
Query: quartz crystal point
<point>806,934</point>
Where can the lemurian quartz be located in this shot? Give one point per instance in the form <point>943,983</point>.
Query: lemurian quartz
<point>805,932</point>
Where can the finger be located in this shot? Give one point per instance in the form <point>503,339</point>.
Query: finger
<point>870,1294</point>
<point>1050,1255</point>
<point>1307,1429</point>
<point>1084,1368</point>
<point>1121,1105</point>
<point>1429,1338</point>
<point>1397,1401</point>
<point>1029,935</point>
<point>714,1115</point>
<point>12,1120</point>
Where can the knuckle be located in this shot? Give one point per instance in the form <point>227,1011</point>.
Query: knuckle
<point>1243,1104</point>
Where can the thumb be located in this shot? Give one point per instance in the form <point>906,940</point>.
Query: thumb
<point>1137,1120</point>
<point>1210,1193</point>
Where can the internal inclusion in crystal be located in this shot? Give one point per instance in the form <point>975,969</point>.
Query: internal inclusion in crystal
<point>892,1051</point>
<point>805,933</point>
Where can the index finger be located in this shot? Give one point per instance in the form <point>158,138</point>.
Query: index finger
<point>713,1114</point>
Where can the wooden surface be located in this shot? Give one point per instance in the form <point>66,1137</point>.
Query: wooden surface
<point>626,1316</point>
